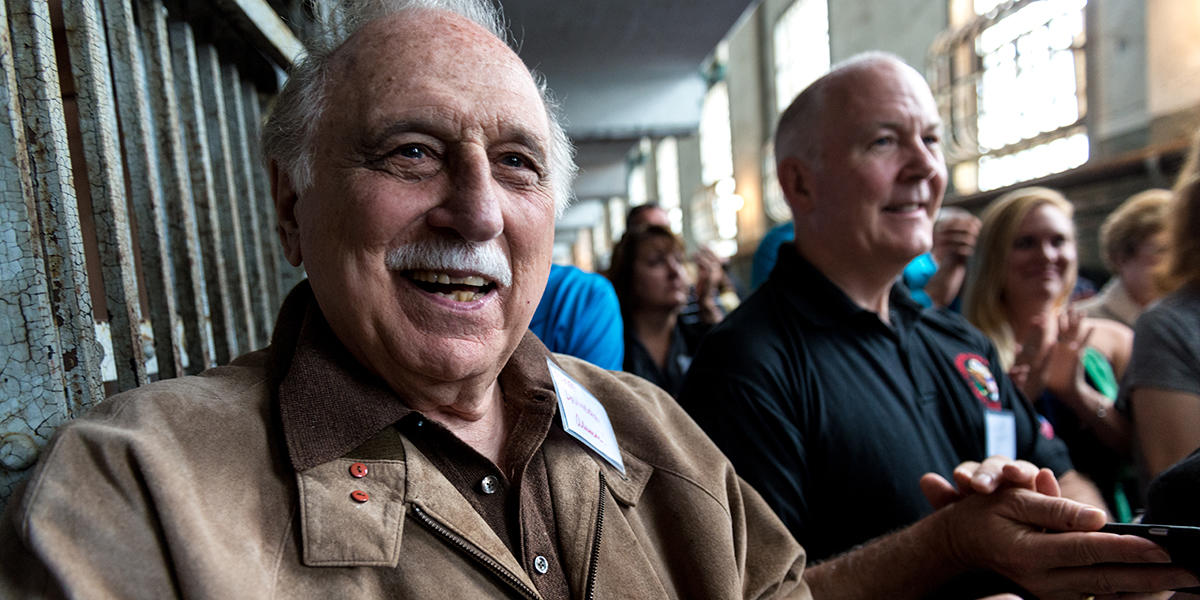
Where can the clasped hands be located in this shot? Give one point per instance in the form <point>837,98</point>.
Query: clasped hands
<point>1008,516</point>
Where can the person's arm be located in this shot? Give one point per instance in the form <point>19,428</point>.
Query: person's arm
<point>1167,423</point>
<point>86,523</point>
<point>1066,378</point>
<point>953,244</point>
<point>1003,532</point>
<point>1163,388</point>
<point>945,283</point>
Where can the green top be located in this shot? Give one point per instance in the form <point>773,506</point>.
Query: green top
<point>1099,373</point>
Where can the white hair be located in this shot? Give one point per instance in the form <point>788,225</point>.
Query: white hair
<point>441,254</point>
<point>287,135</point>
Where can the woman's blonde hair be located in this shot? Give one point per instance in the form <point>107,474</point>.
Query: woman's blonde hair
<point>983,300</point>
<point>1141,217</point>
<point>1183,224</point>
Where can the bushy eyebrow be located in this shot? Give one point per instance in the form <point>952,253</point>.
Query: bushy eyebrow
<point>510,134</point>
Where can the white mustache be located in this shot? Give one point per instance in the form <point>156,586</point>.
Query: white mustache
<point>485,260</point>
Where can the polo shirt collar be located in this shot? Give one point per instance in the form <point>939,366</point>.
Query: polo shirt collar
<point>329,404</point>
<point>819,301</point>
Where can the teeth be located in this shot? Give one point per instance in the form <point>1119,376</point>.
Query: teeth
<point>461,295</point>
<point>444,279</point>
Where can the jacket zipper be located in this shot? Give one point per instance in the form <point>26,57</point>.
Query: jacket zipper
<point>595,560</point>
<point>471,550</point>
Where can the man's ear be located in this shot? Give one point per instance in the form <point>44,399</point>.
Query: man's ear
<point>794,179</point>
<point>284,195</point>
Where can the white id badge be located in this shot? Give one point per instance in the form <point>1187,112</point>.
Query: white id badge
<point>1001,433</point>
<point>585,418</point>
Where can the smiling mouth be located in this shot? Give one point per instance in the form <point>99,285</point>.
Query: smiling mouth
<point>907,207</point>
<point>458,289</point>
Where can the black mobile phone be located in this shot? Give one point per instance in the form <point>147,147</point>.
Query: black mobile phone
<point>1180,541</point>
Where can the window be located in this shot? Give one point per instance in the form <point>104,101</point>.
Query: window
<point>616,217</point>
<point>716,143</point>
<point>719,201</point>
<point>801,48</point>
<point>666,163</point>
<point>1011,86</point>
<point>636,183</point>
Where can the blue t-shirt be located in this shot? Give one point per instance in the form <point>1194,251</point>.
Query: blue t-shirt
<point>579,315</point>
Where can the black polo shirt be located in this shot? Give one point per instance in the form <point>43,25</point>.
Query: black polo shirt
<point>833,416</point>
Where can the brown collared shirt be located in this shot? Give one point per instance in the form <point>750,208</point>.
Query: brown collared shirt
<point>331,407</point>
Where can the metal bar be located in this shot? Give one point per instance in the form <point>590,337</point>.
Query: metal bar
<point>265,29</point>
<point>249,205</point>
<point>145,187</point>
<point>31,373</point>
<point>195,277</point>
<point>217,268</point>
<point>273,255</point>
<point>220,149</point>
<point>98,130</point>
<point>57,209</point>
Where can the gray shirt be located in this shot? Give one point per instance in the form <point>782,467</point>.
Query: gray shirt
<point>1166,344</point>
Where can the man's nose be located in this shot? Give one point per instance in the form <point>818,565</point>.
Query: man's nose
<point>923,162</point>
<point>471,206</point>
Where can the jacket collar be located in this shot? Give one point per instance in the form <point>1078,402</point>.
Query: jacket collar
<point>330,404</point>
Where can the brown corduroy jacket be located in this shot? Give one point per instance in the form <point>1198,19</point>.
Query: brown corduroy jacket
<point>184,488</point>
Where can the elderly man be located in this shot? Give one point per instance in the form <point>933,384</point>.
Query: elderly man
<point>401,436</point>
<point>834,394</point>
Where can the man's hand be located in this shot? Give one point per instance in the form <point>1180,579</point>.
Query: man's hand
<point>994,473</point>
<point>997,519</point>
<point>954,239</point>
<point>953,244</point>
<point>1006,532</point>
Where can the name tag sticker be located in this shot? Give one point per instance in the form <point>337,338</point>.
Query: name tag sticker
<point>584,417</point>
<point>1001,433</point>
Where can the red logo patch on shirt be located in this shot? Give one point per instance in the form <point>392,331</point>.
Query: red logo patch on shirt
<point>1045,428</point>
<point>974,369</point>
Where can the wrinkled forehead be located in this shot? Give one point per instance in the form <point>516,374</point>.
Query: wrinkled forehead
<point>433,52</point>
<point>418,36</point>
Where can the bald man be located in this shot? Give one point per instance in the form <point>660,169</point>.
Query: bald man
<point>850,409</point>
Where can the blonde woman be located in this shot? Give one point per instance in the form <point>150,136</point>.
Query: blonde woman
<point>1163,386</point>
<point>1133,244</point>
<point>1018,287</point>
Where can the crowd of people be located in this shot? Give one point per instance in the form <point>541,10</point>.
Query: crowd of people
<point>443,413</point>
